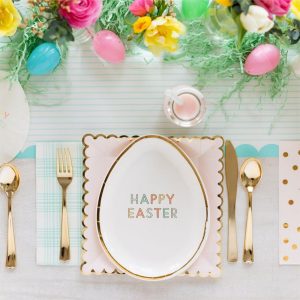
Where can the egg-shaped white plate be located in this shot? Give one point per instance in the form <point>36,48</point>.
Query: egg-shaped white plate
<point>152,215</point>
<point>14,118</point>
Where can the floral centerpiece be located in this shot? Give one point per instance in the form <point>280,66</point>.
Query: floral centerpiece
<point>39,40</point>
<point>243,40</point>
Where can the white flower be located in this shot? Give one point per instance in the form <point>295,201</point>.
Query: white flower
<point>256,20</point>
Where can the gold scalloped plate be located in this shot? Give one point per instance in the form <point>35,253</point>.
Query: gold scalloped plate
<point>151,196</point>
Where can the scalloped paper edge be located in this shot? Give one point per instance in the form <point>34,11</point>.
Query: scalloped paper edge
<point>85,192</point>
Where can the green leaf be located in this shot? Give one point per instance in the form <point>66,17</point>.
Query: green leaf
<point>241,29</point>
<point>161,7</point>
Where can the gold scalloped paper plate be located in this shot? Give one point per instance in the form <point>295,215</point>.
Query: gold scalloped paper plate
<point>137,170</point>
<point>116,271</point>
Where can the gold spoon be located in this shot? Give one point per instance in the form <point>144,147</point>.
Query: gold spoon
<point>251,173</point>
<point>9,183</point>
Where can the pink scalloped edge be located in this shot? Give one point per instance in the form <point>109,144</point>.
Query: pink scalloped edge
<point>220,211</point>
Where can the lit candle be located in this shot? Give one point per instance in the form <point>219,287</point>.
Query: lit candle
<point>184,106</point>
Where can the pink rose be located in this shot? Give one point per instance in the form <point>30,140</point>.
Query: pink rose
<point>141,7</point>
<point>275,7</point>
<point>80,13</point>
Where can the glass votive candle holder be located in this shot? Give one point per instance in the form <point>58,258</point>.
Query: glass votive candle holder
<point>81,36</point>
<point>184,105</point>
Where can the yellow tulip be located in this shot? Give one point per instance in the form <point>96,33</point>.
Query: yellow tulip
<point>163,35</point>
<point>141,24</point>
<point>10,18</point>
<point>226,3</point>
<point>295,8</point>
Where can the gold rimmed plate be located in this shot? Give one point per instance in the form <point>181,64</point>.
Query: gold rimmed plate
<point>152,217</point>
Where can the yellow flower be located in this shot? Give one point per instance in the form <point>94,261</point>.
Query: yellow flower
<point>295,8</point>
<point>9,18</point>
<point>226,3</point>
<point>141,24</point>
<point>163,35</point>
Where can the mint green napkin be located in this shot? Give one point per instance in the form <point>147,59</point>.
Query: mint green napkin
<point>48,204</point>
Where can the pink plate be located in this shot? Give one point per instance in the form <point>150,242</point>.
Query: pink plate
<point>206,153</point>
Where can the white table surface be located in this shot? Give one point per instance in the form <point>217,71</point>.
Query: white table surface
<point>265,279</point>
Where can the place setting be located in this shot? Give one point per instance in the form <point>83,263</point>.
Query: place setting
<point>140,196</point>
<point>162,141</point>
<point>120,198</point>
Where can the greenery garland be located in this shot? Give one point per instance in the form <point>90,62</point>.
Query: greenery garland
<point>224,59</point>
<point>115,17</point>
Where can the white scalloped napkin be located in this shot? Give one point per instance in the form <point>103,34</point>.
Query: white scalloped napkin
<point>101,151</point>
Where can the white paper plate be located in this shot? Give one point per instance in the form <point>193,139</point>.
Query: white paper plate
<point>14,118</point>
<point>151,240</point>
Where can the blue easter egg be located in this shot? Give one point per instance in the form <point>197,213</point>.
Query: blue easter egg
<point>43,59</point>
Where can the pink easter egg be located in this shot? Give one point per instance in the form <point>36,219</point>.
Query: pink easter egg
<point>263,59</point>
<point>109,47</point>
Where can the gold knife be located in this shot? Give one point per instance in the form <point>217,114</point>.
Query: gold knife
<point>231,171</point>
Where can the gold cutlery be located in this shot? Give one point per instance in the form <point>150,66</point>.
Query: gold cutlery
<point>231,171</point>
<point>9,183</point>
<point>251,173</point>
<point>64,174</point>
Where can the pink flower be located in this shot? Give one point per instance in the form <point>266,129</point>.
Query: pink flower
<point>141,7</point>
<point>80,13</point>
<point>275,7</point>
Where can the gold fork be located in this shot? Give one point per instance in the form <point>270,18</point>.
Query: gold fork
<point>64,174</point>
